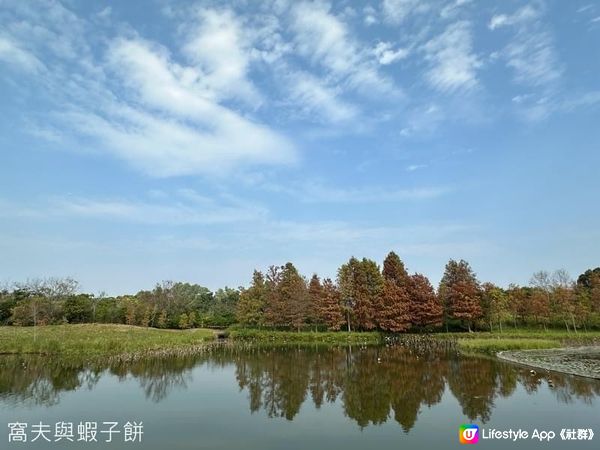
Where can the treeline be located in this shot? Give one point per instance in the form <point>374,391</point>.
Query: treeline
<point>168,305</point>
<point>364,296</point>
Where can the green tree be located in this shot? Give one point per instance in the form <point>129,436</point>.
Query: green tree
<point>361,285</point>
<point>184,321</point>
<point>78,308</point>
<point>251,306</point>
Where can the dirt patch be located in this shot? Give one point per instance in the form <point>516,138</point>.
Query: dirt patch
<point>581,361</point>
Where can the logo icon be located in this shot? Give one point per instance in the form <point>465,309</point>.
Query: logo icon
<point>468,434</point>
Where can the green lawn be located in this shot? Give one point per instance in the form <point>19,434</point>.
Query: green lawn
<point>89,341</point>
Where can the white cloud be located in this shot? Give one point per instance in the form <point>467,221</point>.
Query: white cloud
<point>370,15</point>
<point>138,103</point>
<point>175,127</point>
<point>395,11</point>
<point>530,53</point>
<point>452,9</point>
<point>387,55</point>
<point>533,59</point>
<point>185,207</point>
<point>105,13</point>
<point>524,14</point>
<point>316,99</point>
<point>325,40</point>
<point>218,47</point>
<point>314,191</point>
<point>586,99</point>
<point>14,55</point>
<point>453,65</point>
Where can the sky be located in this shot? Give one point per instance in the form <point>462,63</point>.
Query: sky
<point>197,141</point>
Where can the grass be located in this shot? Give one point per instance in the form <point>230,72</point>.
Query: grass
<point>495,345</point>
<point>309,337</point>
<point>93,341</point>
<point>521,339</point>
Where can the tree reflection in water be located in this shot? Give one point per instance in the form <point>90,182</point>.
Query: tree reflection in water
<point>372,384</point>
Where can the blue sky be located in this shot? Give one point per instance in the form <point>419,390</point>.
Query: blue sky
<point>196,141</point>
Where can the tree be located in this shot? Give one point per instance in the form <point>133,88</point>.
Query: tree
<point>184,321</point>
<point>347,282</point>
<point>328,306</point>
<point>459,291</point>
<point>588,295</point>
<point>539,306</point>
<point>250,308</point>
<point>294,297</point>
<point>32,310</point>
<point>286,297</point>
<point>393,310</point>
<point>426,308</point>
<point>162,319</point>
<point>494,305</point>
<point>222,311</point>
<point>587,279</point>
<point>274,307</point>
<point>563,297</point>
<point>315,294</point>
<point>78,308</point>
<point>361,284</point>
<point>394,270</point>
<point>393,313</point>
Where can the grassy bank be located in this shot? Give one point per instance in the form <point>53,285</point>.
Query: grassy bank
<point>478,342</point>
<point>310,337</point>
<point>521,339</point>
<point>91,341</point>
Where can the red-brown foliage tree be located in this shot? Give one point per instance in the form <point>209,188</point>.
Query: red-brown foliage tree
<point>426,309</point>
<point>329,307</point>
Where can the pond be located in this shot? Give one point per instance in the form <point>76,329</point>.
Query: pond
<point>296,398</point>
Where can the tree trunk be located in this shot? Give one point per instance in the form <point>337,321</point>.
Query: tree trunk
<point>573,320</point>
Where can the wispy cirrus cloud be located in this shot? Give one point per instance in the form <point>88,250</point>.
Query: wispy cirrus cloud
<point>327,42</point>
<point>453,64</point>
<point>386,54</point>
<point>219,47</point>
<point>533,59</point>
<point>315,191</point>
<point>137,102</point>
<point>15,56</point>
<point>182,207</point>
<point>396,11</point>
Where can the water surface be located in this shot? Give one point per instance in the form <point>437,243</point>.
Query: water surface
<point>298,398</point>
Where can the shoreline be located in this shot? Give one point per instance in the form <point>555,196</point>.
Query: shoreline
<point>92,341</point>
<point>577,361</point>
